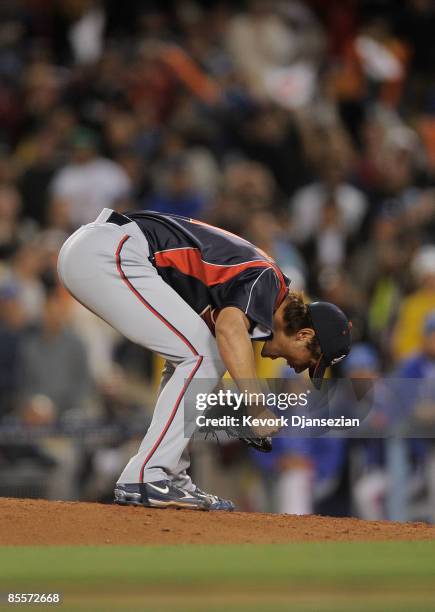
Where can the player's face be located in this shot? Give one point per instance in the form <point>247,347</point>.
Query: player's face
<point>294,349</point>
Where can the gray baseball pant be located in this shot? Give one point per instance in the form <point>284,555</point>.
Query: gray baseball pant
<point>106,268</point>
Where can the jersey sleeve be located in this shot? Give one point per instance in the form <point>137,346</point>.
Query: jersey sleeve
<point>255,292</point>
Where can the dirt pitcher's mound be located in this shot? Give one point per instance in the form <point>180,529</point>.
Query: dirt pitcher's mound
<point>27,522</point>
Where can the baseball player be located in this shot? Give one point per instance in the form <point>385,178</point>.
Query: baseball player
<point>198,296</point>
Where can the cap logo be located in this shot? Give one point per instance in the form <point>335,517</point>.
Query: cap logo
<point>337,359</point>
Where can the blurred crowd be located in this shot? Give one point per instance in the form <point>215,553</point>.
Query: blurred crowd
<point>308,127</point>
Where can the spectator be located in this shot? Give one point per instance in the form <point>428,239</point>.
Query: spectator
<point>86,185</point>
<point>306,471</point>
<point>328,213</point>
<point>408,331</point>
<point>13,230</point>
<point>35,180</point>
<point>371,482</point>
<point>263,229</point>
<point>25,270</point>
<point>415,376</point>
<point>271,36</point>
<point>53,362</point>
<point>176,193</point>
<point>12,326</point>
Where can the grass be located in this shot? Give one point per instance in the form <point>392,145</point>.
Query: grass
<point>315,577</point>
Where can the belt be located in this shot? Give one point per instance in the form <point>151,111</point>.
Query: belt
<point>118,219</point>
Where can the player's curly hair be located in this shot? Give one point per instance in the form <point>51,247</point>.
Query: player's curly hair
<point>296,316</point>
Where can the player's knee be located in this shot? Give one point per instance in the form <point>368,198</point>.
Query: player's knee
<point>204,365</point>
<point>212,366</point>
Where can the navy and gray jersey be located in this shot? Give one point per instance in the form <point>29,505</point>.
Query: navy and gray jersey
<point>211,269</point>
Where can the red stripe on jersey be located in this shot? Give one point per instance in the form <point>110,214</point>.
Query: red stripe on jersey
<point>283,286</point>
<point>189,262</point>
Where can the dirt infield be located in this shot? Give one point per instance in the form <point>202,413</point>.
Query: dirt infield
<point>41,522</point>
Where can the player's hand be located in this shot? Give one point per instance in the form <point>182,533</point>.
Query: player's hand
<point>264,422</point>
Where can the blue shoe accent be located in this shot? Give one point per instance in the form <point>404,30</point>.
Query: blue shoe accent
<point>217,503</point>
<point>160,494</point>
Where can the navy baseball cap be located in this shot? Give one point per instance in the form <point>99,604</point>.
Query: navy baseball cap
<point>332,329</point>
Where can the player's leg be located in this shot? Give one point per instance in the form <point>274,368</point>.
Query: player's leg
<point>106,268</point>
<point>179,476</point>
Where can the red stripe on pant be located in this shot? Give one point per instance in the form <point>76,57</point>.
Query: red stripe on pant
<point>173,329</point>
<point>171,417</point>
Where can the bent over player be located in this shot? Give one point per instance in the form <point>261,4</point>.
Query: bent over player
<point>197,295</point>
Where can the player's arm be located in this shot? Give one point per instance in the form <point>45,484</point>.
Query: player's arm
<point>236,350</point>
<point>235,345</point>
